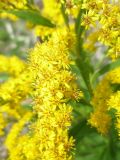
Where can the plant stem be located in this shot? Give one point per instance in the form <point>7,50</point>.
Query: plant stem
<point>81,55</point>
<point>65,16</point>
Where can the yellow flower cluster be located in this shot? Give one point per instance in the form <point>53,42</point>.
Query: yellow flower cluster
<point>16,85</point>
<point>12,65</point>
<point>52,11</point>
<point>103,100</point>
<point>54,86</point>
<point>14,90</point>
<point>72,7</point>
<point>114,76</point>
<point>105,16</point>
<point>100,118</point>
<point>114,101</point>
<point>12,142</point>
<point>11,4</point>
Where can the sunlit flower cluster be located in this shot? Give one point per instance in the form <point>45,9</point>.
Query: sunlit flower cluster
<point>10,5</point>
<point>106,97</point>
<point>50,9</point>
<point>54,86</point>
<point>13,90</point>
<point>105,17</point>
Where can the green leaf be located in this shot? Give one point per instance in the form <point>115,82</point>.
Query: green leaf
<point>32,16</point>
<point>105,69</point>
<point>80,130</point>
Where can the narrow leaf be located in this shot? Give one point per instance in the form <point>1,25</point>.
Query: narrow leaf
<point>32,16</point>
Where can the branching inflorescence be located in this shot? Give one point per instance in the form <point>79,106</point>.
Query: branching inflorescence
<point>54,86</point>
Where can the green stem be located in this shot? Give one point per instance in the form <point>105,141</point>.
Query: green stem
<point>112,146</point>
<point>85,74</point>
<point>81,55</point>
<point>65,16</point>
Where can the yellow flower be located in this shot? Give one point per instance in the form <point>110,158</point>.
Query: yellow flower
<point>11,4</point>
<point>15,87</point>
<point>54,85</point>
<point>103,100</point>
<point>52,11</point>
<point>103,15</point>
<point>99,101</point>
<point>14,90</point>
<point>114,76</point>
<point>89,18</point>
<point>114,100</point>
<point>12,65</point>
<point>11,140</point>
